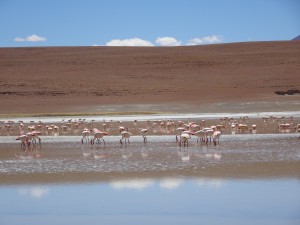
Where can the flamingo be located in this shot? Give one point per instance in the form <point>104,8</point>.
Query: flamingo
<point>85,135</point>
<point>298,131</point>
<point>25,142</point>
<point>143,132</point>
<point>201,135</point>
<point>284,127</point>
<point>253,130</point>
<point>216,137</point>
<point>35,135</point>
<point>184,138</point>
<point>179,131</point>
<point>125,135</point>
<point>242,128</point>
<point>297,128</point>
<point>194,126</point>
<point>208,133</point>
<point>98,135</point>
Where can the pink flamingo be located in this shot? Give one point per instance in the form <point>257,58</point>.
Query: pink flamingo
<point>98,135</point>
<point>25,142</point>
<point>35,135</point>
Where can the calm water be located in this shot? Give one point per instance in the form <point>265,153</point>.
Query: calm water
<point>160,153</point>
<point>160,201</point>
<point>254,190</point>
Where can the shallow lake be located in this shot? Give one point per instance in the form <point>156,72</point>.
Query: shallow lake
<point>154,201</point>
<point>247,179</point>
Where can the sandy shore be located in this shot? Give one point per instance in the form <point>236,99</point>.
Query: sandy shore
<point>213,78</point>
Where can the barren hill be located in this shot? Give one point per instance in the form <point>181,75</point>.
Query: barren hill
<point>57,79</point>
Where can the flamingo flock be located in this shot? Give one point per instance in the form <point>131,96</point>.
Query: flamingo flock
<point>94,133</point>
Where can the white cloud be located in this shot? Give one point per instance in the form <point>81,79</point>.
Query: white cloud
<point>167,41</point>
<point>212,183</point>
<point>163,41</point>
<point>138,184</point>
<point>170,183</point>
<point>129,42</point>
<point>35,192</point>
<point>205,40</point>
<point>32,38</point>
<point>19,39</point>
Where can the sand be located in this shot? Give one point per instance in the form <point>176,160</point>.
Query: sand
<point>220,77</point>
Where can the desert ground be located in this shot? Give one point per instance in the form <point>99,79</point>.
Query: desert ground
<point>231,77</point>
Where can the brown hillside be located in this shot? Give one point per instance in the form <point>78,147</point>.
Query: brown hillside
<point>63,79</point>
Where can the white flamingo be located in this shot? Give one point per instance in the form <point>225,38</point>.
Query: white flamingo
<point>143,132</point>
<point>125,135</point>
<point>201,135</point>
<point>208,134</point>
<point>85,135</point>
<point>184,138</point>
<point>216,137</point>
<point>179,131</point>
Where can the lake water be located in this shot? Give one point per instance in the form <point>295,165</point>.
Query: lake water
<point>247,179</point>
<point>154,201</point>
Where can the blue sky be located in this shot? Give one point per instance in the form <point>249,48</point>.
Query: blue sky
<point>145,22</point>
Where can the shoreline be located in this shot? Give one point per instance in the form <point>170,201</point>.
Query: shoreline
<point>170,110</point>
<point>263,170</point>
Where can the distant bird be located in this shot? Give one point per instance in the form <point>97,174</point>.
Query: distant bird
<point>25,142</point>
<point>143,132</point>
<point>85,135</point>
<point>297,128</point>
<point>179,131</point>
<point>201,135</point>
<point>35,135</point>
<point>125,135</point>
<point>184,138</point>
<point>216,137</point>
<point>98,136</point>
<point>208,134</point>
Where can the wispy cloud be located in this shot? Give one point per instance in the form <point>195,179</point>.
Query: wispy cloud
<point>138,184</point>
<point>167,41</point>
<point>212,183</point>
<point>170,183</point>
<point>205,40</point>
<point>35,192</point>
<point>164,41</point>
<point>129,42</point>
<point>31,38</point>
